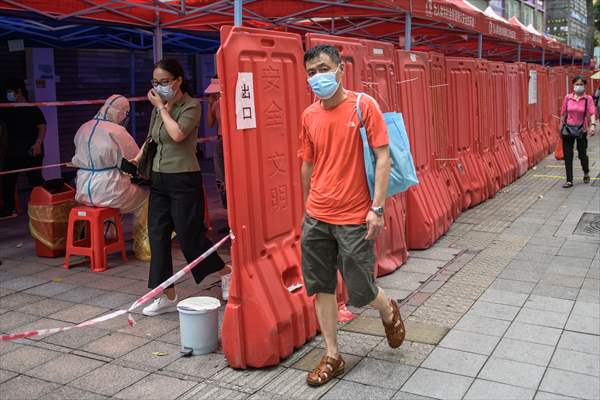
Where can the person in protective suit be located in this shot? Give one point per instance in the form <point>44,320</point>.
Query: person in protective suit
<point>100,145</point>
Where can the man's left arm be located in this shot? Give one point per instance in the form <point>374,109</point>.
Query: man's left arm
<point>383,165</point>
<point>36,149</point>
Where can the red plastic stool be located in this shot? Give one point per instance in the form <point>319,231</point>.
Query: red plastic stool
<point>94,245</point>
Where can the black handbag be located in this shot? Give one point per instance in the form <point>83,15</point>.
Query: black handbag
<point>573,131</point>
<point>144,169</point>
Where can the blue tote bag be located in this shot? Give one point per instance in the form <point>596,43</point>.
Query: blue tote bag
<point>402,174</point>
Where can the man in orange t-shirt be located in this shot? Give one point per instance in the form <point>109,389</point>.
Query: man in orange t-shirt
<point>341,221</point>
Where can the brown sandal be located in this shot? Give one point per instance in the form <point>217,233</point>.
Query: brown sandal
<point>327,369</point>
<point>395,331</point>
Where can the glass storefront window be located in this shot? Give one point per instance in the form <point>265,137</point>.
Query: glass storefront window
<point>539,21</point>
<point>528,15</point>
<point>512,9</point>
<point>497,6</point>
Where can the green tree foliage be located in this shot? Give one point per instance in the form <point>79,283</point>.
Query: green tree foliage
<point>596,14</point>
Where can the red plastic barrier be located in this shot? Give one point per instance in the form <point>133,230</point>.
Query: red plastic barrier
<point>381,77</point>
<point>462,128</point>
<point>443,151</point>
<point>390,247</point>
<point>554,85</point>
<point>558,90</point>
<point>559,87</point>
<point>513,93</point>
<point>486,129</point>
<point>589,86</point>
<point>381,74</point>
<point>268,314</point>
<point>526,134</point>
<point>428,206</point>
<point>544,110</point>
<point>534,117</point>
<point>505,158</point>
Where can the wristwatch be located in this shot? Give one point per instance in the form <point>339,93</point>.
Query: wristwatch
<point>378,211</point>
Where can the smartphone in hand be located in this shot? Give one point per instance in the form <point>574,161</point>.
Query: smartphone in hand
<point>128,167</point>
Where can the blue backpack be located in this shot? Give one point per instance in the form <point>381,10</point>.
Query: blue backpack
<point>402,174</point>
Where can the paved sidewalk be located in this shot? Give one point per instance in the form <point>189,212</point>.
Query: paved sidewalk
<point>505,306</point>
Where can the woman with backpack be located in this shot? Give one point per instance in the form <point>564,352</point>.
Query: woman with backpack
<point>578,115</point>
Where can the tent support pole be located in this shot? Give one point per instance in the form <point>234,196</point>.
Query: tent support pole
<point>480,45</point>
<point>543,56</point>
<point>132,92</point>
<point>572,60</point>
<point>237,13</point>
<point>407,31</point>
<point>519,52</point>
<point>560,59</point>
<point>158,44</point>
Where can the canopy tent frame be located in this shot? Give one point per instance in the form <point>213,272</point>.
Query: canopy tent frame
<point>81,36</point>
<point>168,20</point>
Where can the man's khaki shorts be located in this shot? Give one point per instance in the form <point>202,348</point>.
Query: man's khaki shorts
<point>327,248</point>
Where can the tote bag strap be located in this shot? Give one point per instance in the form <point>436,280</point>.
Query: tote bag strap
<point>360,118</point>
<point>363,131</point>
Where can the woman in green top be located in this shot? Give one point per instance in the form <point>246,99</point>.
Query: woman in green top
<point>176,191</point>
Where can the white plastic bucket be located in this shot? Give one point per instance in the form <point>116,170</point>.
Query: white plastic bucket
<point>199,324</point>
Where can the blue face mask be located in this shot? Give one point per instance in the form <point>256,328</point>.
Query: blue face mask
<point>11,96</point>
<point>165,92</point>
<point>325,84</point>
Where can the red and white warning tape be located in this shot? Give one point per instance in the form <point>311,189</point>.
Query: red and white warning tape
<point>64,103</point>
<point>139,302</point>
<point>69,165</point>
<point>159,289</point>
<point>73,102</point>
<point>40,332</point>
<point>15,171</point>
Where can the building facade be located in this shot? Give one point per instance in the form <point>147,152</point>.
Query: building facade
<point>527,11</point>
<point>567,20</point>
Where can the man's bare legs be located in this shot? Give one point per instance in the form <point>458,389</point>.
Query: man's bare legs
<point>326,307</point>
<point>382,304</point>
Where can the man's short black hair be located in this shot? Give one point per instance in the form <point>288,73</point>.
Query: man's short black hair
<point>314,52</point>
<point>579,78</point>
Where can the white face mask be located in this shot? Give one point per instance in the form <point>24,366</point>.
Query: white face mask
<point>579,89</point>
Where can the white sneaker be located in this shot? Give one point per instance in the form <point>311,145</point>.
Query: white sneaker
<point>160,306</point>
<point>225,284</point>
